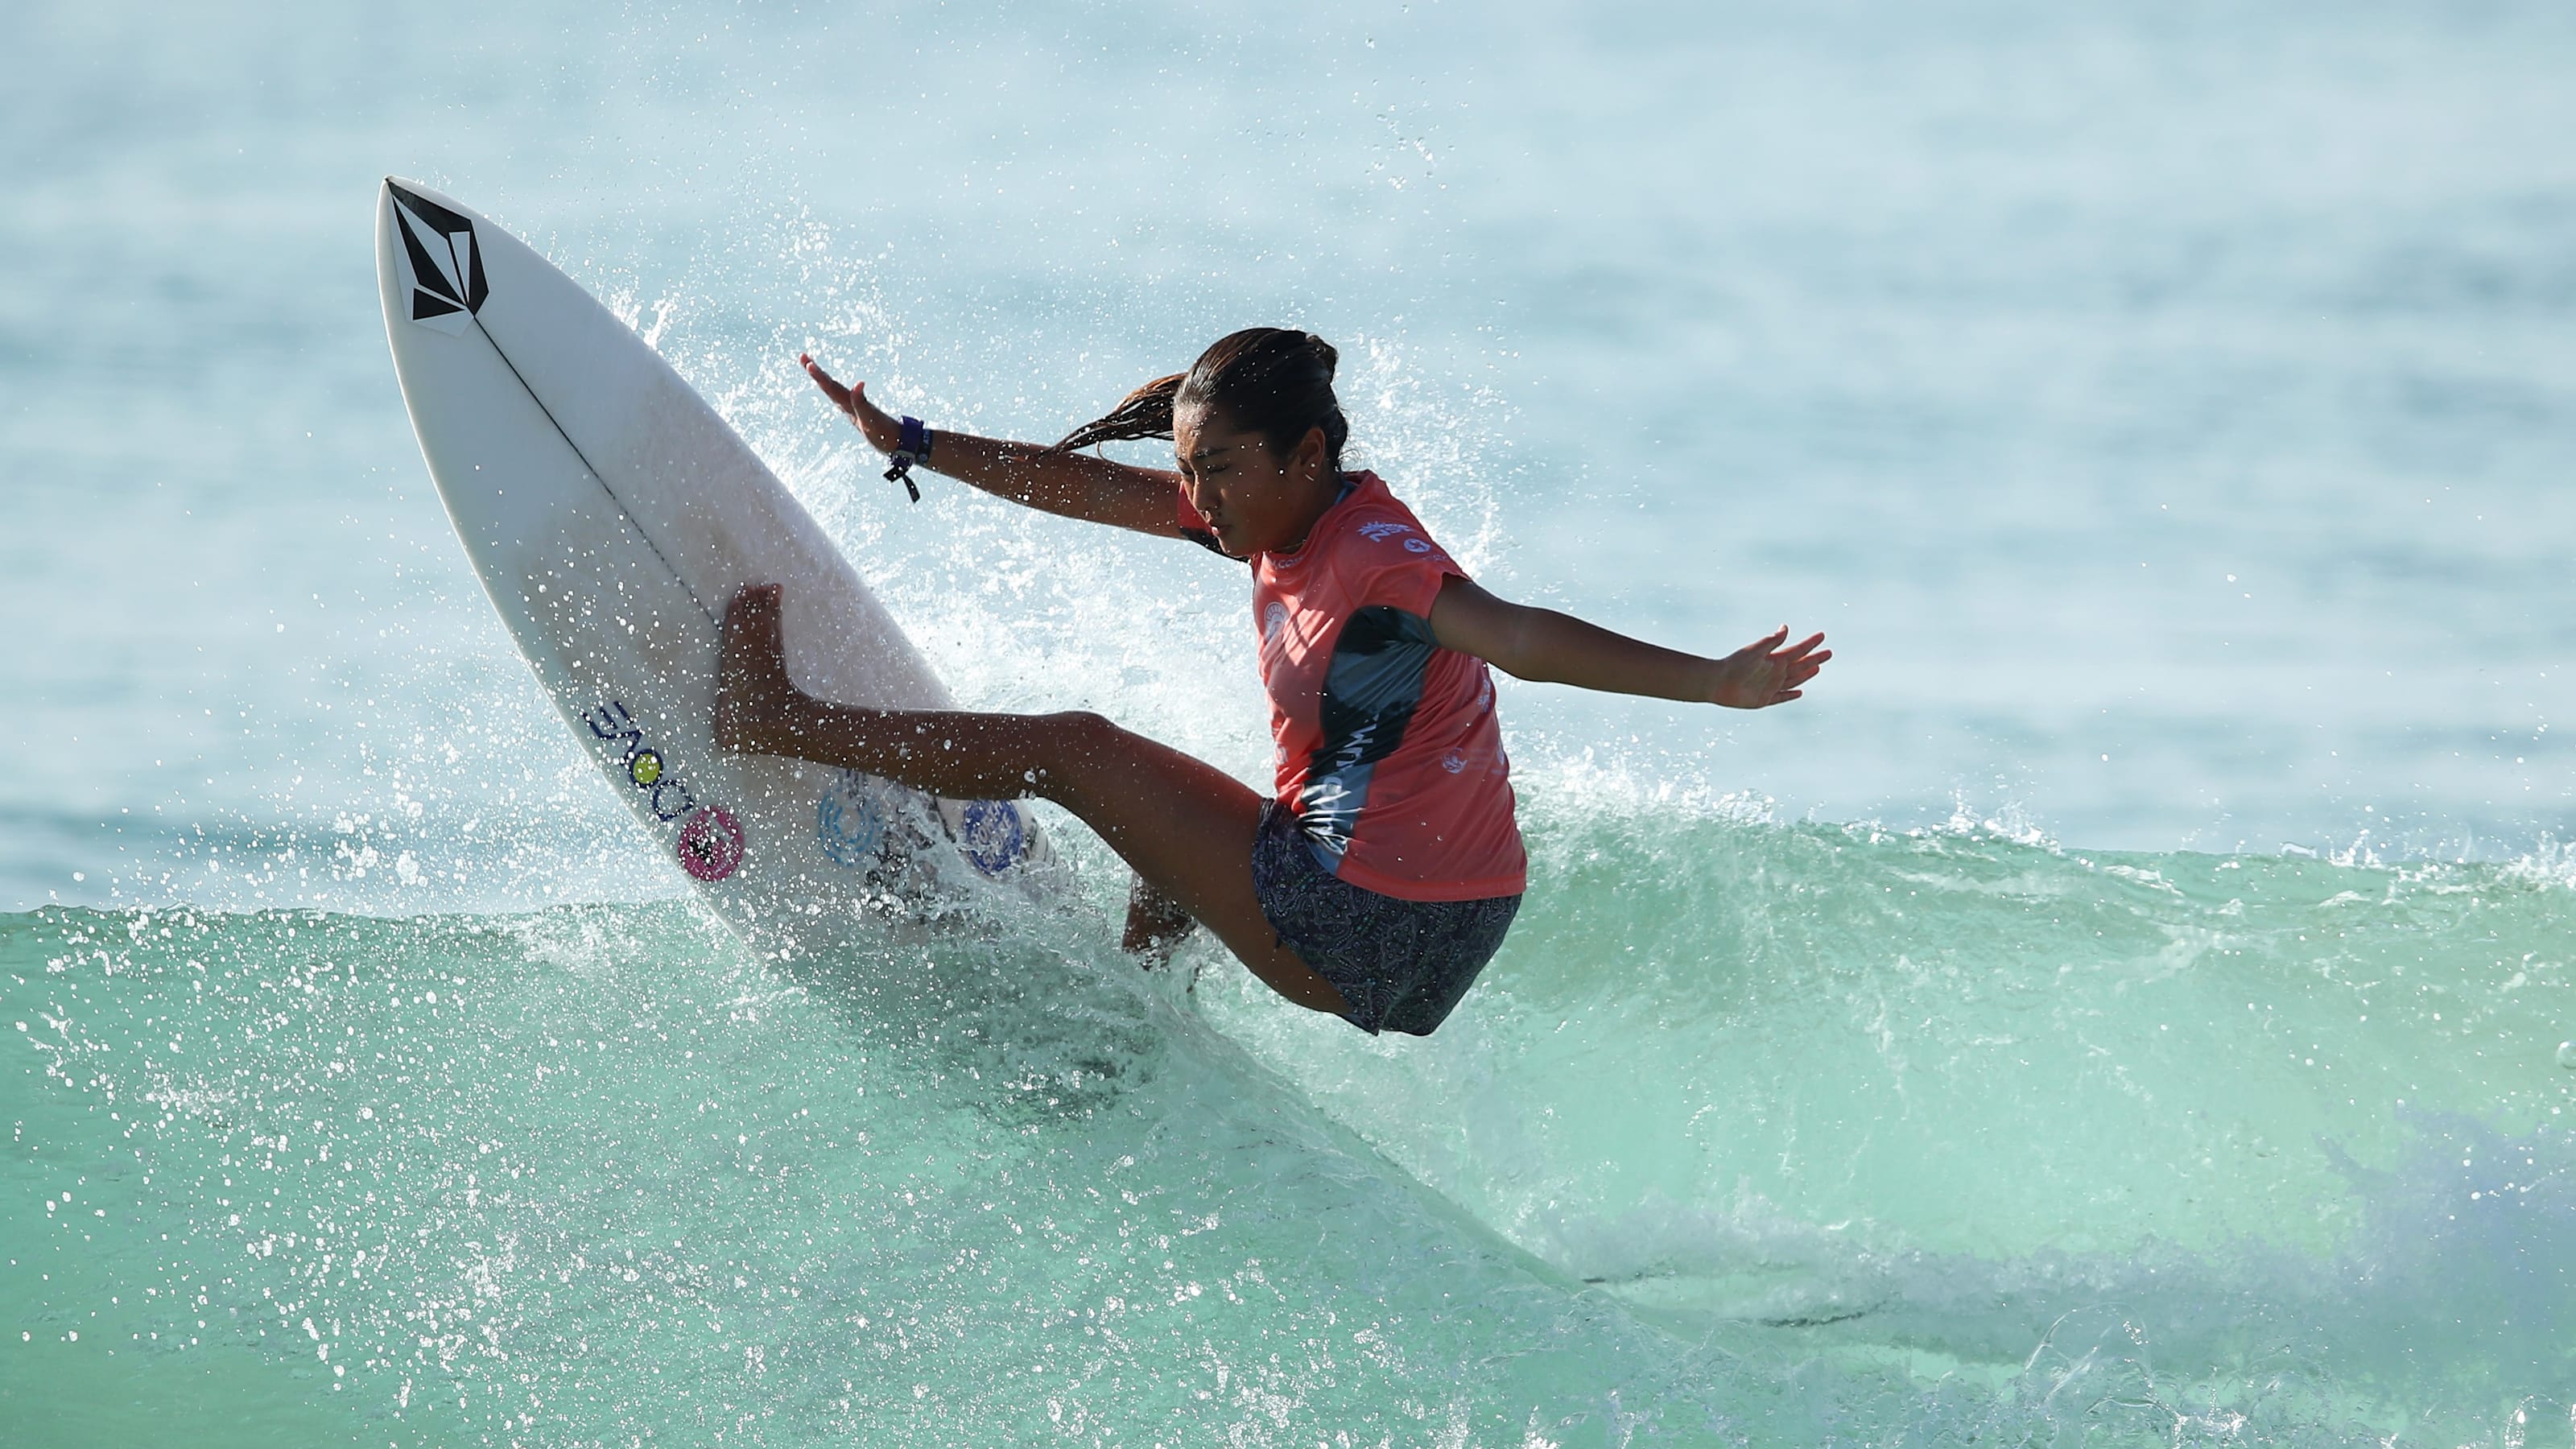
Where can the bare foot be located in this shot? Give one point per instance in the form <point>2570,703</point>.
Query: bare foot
<point>754,699</point>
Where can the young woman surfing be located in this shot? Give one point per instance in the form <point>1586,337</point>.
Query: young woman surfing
<point>1383,875</point>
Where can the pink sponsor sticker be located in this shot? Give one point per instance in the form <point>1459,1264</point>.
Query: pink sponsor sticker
<point>711,844</point>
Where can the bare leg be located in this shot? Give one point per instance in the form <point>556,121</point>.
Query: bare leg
<point>1184,825</point>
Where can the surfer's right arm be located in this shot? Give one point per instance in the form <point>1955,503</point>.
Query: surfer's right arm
<point>1075,485</point>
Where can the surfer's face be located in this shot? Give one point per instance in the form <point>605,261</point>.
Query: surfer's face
<point>1254,500</point>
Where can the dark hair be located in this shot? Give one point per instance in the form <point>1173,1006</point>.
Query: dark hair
<point>1268,380</point>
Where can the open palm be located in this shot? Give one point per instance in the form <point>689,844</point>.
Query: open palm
<point>883,432</point>
<point>1767,671</point>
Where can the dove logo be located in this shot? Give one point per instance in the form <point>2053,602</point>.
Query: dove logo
<point>447,286</point>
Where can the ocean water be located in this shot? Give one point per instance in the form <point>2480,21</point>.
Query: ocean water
<point>2126,1002</point>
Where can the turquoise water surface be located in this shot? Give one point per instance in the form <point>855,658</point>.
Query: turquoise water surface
<point>2126,1002</point>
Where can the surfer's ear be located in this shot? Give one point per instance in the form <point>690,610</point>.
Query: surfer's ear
<point>1313,460</point>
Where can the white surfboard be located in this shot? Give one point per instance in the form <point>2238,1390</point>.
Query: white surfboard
<point>612,515</point>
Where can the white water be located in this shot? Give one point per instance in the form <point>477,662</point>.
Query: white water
<point>2161,407</point>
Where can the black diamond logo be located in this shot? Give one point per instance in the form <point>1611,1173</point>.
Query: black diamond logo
<point>446,266</point>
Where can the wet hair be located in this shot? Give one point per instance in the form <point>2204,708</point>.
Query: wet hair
<point>1267,380</point>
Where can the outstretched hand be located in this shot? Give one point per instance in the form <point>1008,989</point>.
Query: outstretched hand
<point>1764,672</point>
<point>882,430</point>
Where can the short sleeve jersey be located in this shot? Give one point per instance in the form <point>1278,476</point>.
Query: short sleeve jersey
<point>1388,752</point>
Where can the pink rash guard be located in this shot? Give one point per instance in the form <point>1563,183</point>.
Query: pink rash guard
<point>1388,750</point>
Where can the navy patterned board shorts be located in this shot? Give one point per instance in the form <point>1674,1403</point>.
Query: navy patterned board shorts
<point>1400,965</point>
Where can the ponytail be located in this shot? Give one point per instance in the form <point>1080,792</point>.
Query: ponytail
<point>1144,413</point>
<point>1268,380</point>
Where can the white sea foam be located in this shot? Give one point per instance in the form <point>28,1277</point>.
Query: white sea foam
<point>2117,1005</point>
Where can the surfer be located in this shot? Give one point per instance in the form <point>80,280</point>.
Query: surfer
<point>1384,872</point>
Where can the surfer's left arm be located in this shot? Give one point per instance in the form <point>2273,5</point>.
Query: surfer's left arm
<point>1545,646</point>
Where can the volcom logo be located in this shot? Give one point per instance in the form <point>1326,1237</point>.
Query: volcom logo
<point>447,286</point>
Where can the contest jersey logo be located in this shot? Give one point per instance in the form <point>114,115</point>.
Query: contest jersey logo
<point>1381,531</point>
<point>711,840</point>
<point>447,286</point>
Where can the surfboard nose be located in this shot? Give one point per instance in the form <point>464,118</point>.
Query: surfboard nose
<point>430,256</point>
<point>385,193</point>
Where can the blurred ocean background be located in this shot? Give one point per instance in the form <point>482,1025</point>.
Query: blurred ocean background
<point>2126,1002</point>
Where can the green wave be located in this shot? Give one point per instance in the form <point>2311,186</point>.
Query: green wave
<point>1753,1133</point>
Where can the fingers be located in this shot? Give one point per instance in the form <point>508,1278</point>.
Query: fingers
<point>1765,644</point>
<point>751,672</point>
<point>764,629</point>
<point>1771,646</point>
<point>1798,668</point>
<point>830,385</point>
<point>754,610</point>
